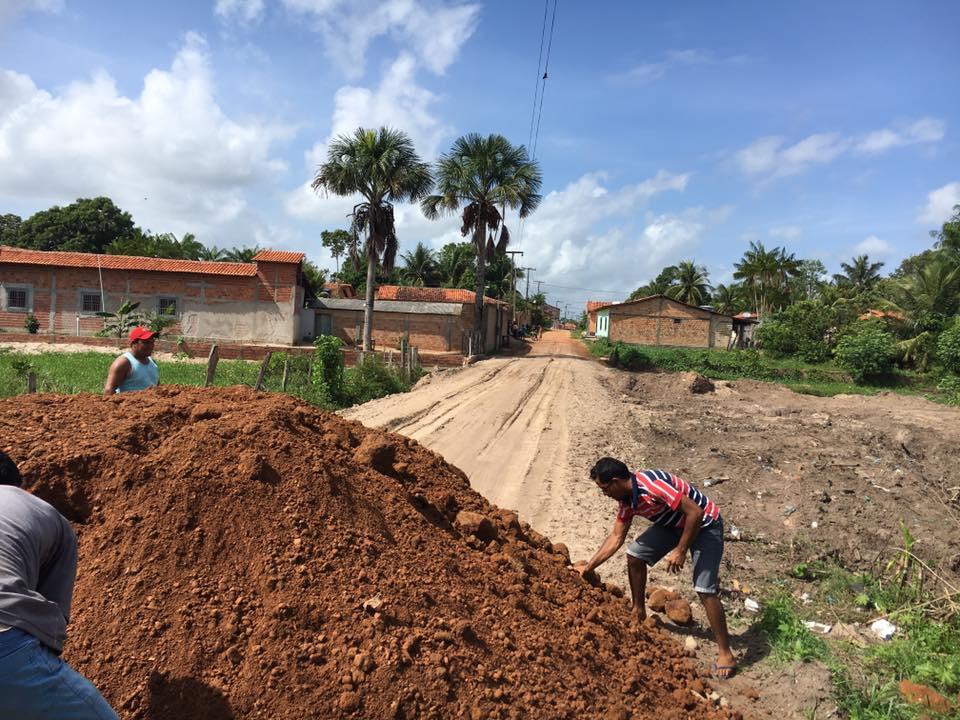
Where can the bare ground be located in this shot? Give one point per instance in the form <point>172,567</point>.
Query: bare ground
<point>800,476</point>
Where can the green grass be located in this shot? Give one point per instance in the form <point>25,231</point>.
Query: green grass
<point>71,373</point>
<point>824,379</point>
<point>925,650</point>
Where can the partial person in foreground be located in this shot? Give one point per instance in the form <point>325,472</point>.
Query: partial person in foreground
<point>38,565</point>
<point>683,520</point>
<point>135,369</point>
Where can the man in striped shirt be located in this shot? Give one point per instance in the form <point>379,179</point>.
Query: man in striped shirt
<point>683,520</point>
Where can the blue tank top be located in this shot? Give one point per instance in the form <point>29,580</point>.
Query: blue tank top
<point>141,376</point>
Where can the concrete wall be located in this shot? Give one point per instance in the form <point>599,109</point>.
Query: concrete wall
<point>661,321</point>
<point>261,309</point>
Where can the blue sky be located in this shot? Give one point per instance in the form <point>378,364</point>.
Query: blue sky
<point>669,130</point>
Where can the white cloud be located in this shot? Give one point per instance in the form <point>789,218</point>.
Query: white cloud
<point>785,232</point>
<point>432,31</point>
<point>586,234</point>
<point>243,11</point>
<point>171,156</point>
<point>771,156</point>
<point>924,130</point>
<point>874,247</point>
<point>940,203</point>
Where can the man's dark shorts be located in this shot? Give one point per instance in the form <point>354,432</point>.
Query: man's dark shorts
<point>656,541</point>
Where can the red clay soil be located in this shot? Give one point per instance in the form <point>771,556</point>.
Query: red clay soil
<point>249,556</point>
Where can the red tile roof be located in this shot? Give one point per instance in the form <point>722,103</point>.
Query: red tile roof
<point>279,256</point>
<point>428,294</point>
<point>593,305</point>
<point>20,256</point>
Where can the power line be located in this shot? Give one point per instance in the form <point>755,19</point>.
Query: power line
<point>536,87</point>
<point>546,72</point>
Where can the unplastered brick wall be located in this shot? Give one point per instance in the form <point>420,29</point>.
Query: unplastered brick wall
<point>438,333</point>
<point>660,321</point>
<point>261,308</point>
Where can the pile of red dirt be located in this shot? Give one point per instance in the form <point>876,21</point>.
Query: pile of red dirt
<point>249,556</point>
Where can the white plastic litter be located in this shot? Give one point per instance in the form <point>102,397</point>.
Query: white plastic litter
<point>751,605</point>
<point>735,532</point>
<point>883,628</point>
<point>805,599</point>
<point>819,628</point>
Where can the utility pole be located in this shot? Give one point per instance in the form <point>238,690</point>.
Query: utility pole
<point>528,270</point>
<point>513,283</point>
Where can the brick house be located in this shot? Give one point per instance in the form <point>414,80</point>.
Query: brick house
<point>436,319</point>
<point>659,320</point>
<point>256,302</point>
<point>592,307</point>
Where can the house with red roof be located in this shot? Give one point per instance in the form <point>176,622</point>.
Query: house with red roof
<point>434,319</point>
<point>259,302</point>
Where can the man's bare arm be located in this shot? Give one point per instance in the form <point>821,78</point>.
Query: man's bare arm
<point>116,375</point>
<point>613,542</point>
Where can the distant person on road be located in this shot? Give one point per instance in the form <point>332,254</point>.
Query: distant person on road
<point>38,566</point>
<point>135,369</point>
<point>683,520</point>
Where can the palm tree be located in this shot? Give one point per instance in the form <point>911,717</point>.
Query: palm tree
<point>691,283</point>
<point>383,167</point>
<point>481,174</point>
<point>725,298</point>
<point>766,274</point>
<point>212,254</point>
<point>419,266</point>
<point>241,255</point>
<point>456,264</point>
<point>859,275</point>
<point>932,290</point>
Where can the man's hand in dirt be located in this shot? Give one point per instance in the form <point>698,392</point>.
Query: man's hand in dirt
<point>580,567</point>
<point>675,559</point>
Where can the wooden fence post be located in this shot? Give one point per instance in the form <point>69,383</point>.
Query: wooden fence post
<point>31,382</point>
<point>212,361</point>
<point>263,371</point>
<point>286,369</point>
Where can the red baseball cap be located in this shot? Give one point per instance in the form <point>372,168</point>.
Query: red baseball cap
<point>141,333</point>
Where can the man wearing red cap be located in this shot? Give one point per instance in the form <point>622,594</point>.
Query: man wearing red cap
<point>135,369</point>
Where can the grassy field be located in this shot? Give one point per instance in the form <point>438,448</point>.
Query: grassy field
<point>812,379</point>
<point>86,371</point>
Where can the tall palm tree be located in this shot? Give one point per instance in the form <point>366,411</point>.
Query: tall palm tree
<point>725,298</point>
<point>691,283</point>
<point>419,266</point>
<point>383,167</point>
<point>766,274</point>
<point>482,174</point>
<point>859,275</point>
<point>212,253</point>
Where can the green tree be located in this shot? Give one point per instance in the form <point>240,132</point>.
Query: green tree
<point>868,353</point>
<point>727,299</point>
<point>859,275</point>
<point>808,284</point>
<point>212,254</point>
<point>337,242</point>
<point>87,225</point>
<point>455,265</point>
<point>241,254</point>
<point>383,167</point>
<point>658,286</point>
<point>481,174</point>
<point>691,283</point>
<point>948,236</point>
<point>932,290</point>
<point>10,229</point>
<point>165,245</point>
<point>766,274</point>
<point>314,279</point>
<point>419,267</point>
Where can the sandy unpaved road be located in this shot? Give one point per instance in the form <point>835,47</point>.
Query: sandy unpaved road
<point>513,425</point>
<point>802,476</point>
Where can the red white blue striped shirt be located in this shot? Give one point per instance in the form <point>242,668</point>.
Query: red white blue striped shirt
<point>656,496</point>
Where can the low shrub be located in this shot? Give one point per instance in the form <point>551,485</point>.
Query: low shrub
<point>867,354</point>
<point>630,357</point>
<point>31,324</point>
<point>372,379</point>
<point>328,370</point>
<point>948,347</point>
<point>800,330</point>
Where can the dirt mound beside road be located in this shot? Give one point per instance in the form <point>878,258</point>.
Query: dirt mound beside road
<point>246,556</point>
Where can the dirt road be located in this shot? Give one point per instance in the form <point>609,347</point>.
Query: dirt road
<point>800,476</point>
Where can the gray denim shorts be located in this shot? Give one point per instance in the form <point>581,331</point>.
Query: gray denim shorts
<point>656,541</point>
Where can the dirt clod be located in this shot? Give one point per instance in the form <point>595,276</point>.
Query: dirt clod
<point>679,611</point>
